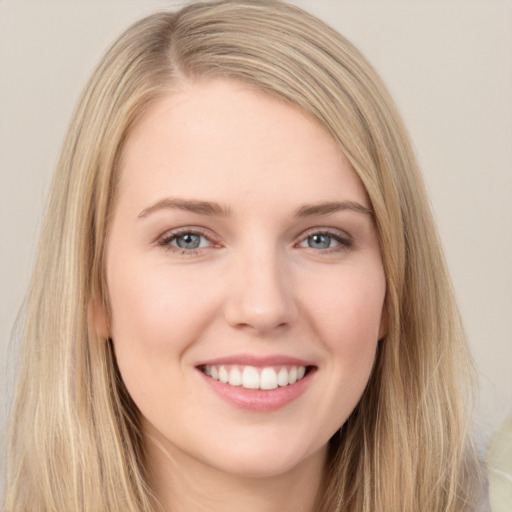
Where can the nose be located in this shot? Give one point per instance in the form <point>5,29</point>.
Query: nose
<point>261,295</point>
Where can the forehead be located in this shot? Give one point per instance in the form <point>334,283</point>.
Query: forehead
<point>222,138</point>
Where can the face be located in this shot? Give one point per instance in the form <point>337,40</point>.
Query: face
<point>245,280</point>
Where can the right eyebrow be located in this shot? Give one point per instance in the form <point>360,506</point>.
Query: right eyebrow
<point>194,206</point>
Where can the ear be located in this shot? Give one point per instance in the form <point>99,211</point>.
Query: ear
<point>383,328</point>
<point>100,319</point>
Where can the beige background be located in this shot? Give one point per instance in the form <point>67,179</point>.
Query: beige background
<point>449,66</point>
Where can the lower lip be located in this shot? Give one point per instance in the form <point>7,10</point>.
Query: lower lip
<point>256,399</point>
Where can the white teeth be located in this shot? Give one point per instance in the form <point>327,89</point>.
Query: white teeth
<point>235,377</point>
<point>282,377</point>
<point>223,375</point>
<point>249,377</point>
<point>268,379</point>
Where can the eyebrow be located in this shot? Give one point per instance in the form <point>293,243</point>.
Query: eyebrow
<point>200,207</point>
<point>211,208</point>
<point>331,207</point>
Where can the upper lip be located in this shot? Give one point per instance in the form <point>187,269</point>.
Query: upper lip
<point>256,361</point>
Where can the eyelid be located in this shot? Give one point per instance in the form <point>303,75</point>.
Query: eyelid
<point>171,234</point>
<point>342,237</point>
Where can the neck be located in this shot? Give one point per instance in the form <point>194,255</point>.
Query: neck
<point>181,483</point>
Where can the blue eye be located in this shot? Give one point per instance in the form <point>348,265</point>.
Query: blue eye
<point>188,241</point>
<point>325,241</point>
<point>319,241</point>
<point>185,241</point>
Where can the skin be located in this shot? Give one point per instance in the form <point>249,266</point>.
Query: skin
<point>255,286</point>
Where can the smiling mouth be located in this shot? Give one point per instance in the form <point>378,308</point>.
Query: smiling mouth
<point>251,377</point>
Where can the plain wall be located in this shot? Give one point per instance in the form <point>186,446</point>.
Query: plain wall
<point>448,64</point>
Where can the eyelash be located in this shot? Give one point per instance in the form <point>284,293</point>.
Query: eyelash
<point>168,238</point>
<point>344,241</point>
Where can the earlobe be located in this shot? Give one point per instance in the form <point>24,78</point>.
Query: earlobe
<point>99,319</point>
<point>383,328</point>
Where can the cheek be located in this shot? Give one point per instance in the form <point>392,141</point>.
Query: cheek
<point>347,307</point>
<point>150,302</point>
<point>347,318</point>
<point>156,314</point>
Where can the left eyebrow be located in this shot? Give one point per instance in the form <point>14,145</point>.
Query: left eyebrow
<point>309,210</point>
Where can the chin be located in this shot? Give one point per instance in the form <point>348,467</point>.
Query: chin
<point>255,461</point>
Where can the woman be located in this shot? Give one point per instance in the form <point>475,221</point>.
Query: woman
<point>239,296</point>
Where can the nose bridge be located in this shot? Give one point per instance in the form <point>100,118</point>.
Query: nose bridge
<point>261,297</point>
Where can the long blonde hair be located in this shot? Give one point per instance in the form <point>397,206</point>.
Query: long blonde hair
<point>75,441</point>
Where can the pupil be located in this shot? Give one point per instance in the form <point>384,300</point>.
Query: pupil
<point>319,241</point>
<point>188,241</point>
